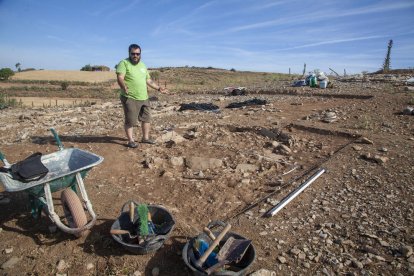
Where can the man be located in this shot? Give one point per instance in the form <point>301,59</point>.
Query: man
<point>133,78</point>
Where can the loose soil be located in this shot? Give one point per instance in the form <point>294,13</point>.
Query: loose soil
<point>357,218</point>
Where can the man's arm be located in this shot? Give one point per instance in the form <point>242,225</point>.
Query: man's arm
<point>121,82</point>
<point>156,87</point>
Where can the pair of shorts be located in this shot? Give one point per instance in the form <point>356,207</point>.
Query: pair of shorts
<point>135,110</point>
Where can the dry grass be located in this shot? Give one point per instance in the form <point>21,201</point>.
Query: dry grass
<point>46,83</point>
<point>60,75</point>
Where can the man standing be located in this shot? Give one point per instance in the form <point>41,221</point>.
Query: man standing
<point>133,78</point>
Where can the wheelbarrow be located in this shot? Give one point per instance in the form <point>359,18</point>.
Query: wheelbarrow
<point>67,168</point>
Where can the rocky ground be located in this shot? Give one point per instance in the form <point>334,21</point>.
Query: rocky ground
<point>356,219</point>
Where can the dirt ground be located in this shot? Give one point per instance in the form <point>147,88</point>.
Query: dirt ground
<point>355,219</point>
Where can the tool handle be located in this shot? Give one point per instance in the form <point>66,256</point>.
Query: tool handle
<point>209,233</point>
<point>203,258</point>
<point>118,231</point>
<point>60,146</point>
<point>131,211</point>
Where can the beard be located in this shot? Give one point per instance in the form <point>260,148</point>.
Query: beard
<point>135,61</point>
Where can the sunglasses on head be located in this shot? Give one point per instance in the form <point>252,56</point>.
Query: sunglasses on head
<point>135,54</point>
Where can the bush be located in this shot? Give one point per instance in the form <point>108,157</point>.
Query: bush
<point>64,85</point>
<point>155,75</point>
<point>5,102</point>
<point>6,73</point>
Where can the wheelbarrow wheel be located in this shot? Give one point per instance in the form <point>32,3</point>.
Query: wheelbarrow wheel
<point>74,212</point>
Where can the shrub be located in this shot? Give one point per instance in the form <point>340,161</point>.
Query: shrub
<point>6,73</point>
<point>5,101</point>
<point>155,75</point>
<point>64,85</point>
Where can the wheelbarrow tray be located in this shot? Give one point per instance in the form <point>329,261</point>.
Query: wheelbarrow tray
<point>63,166</point>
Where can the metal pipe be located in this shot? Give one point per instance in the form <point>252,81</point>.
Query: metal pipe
<point>294,193</point>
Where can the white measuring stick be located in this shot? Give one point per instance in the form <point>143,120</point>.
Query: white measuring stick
<point>294,193</point>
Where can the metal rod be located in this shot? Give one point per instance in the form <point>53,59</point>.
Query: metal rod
<point>294,193</point>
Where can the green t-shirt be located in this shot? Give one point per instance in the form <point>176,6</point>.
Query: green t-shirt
<point>136,77</point>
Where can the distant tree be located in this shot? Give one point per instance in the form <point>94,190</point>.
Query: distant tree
<point>387,63</point>
<point>233,70</point>
<point>18,67</point>
<point>6,73</point>
<point>87,67</point>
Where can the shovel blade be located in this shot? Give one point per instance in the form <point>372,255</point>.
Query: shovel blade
<point>233,250</point>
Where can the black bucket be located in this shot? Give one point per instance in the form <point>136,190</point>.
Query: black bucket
<point>159,215</point>
<point>234,270</point>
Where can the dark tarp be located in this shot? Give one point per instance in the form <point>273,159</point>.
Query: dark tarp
<point>247,103</point>
<point>199,107</point>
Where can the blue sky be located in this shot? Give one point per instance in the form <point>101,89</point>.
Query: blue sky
<point>247,35</point>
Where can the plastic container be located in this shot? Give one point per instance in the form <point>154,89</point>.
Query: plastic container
<point>239,269</point>
<point>312,81</point>
<point>323,84</point>
<point>159,215</point>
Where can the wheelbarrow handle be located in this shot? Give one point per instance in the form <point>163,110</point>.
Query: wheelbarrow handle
<point>60,146</point>
<point>4,160</point>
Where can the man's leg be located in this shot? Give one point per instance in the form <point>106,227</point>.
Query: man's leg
<point>129,131</point>
<point>146,127</point>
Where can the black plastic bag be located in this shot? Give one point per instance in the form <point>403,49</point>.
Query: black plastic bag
<point>29,169</point>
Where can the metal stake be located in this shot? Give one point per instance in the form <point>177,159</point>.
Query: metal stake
<point>294,193</point>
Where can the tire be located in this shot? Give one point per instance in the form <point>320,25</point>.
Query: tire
<point>74,212</point>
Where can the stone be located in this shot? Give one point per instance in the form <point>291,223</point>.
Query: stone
<point>411,259</point>
<point>61,265</point>
<point>408,110</point>
<point>245,181</point>
<point>406,251</point>
<point>90,266</point>
<point>10,263</point>
<point>365,140</point>
<point>357,264</point>
<point>246,168</point>
<point>301,256</point>
<point>380,159</point>
<point>283,149</point>
<point>200,163</point>
<point>357,148</point>
<point>170,136</point>
<point>263,272</point>
<point>282,259</point>
<point>177,161</point>
<point>8,250</point>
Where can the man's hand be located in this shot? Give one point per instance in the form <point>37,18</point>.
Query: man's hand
<point>164,90</point>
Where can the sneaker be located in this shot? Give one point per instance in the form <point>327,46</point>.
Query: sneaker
<point>148,141</point>
<point>132,145</point>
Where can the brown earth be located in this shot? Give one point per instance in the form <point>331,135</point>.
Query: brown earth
<point>355,219</point>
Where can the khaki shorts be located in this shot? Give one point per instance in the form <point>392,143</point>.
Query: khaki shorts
<point>134,109</point>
